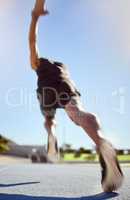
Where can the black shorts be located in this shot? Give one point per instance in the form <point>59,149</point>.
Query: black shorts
<point>56,96</point>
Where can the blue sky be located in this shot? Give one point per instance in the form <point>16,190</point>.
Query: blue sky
<point>91,37</point>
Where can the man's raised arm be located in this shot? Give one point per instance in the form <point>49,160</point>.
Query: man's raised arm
<point>39,10</point>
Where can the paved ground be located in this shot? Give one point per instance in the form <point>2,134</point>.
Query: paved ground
<point>56,182</point>
<point>13,160</point>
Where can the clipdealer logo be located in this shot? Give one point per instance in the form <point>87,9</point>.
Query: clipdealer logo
<point>23,97</point>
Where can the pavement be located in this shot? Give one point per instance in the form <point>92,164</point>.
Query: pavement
<point>57,182</point>
<point>13,160</point>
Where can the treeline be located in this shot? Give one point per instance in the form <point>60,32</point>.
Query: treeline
<point>71,150</point>
<point>66,148</point>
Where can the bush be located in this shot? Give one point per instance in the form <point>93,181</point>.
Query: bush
<point>77,154</point>
<point>3,144</point>
<point>90,157</point>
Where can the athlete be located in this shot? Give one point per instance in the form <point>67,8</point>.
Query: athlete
<point>57,90</point>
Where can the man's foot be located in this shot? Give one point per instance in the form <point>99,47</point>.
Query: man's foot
<point>53,152</point>
<point>112,176</point>
<point>39,8</point>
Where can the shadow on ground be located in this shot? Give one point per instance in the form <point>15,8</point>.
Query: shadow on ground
<point>101,196</point>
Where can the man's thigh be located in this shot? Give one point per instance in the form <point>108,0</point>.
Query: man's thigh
<point>75,109</point>
<point>46,110</point>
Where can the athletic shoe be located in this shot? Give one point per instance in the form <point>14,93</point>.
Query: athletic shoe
<point>112,176</point>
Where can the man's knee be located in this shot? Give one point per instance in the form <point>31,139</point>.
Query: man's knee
<point>49,122</point>
<point>73,113</point>
<point>84,119</point>
<point>92,121</point>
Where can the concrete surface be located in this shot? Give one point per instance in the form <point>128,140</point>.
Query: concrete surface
<point>57,182</point>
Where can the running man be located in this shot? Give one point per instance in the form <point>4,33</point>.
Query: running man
<point>57,90</point>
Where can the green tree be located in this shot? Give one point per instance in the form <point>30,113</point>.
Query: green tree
<point>3,144</point>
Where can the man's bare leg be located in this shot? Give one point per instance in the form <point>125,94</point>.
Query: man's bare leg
<point>52,149</point>
<point>112,175</point>
<point>86,120</point>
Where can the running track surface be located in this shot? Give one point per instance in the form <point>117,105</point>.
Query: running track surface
<point>57,182</point>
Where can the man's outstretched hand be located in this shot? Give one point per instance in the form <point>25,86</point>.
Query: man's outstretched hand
<point>39,9</point>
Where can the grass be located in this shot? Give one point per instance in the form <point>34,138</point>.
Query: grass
<point>124,158</point>
<point>82,157</point>
<point>90,157</point>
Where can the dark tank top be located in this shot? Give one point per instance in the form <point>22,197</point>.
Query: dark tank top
<point>51,73</point>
